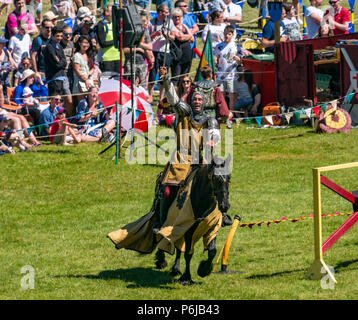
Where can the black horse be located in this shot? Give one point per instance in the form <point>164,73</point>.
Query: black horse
<point>210,187</point>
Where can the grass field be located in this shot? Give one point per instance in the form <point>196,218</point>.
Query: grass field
<point>58,205</point>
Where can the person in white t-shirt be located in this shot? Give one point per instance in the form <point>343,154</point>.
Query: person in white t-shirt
<point>227,57</point>
<point>216,27</point>
<point>232,13</point>
<point>314,17</point>
<point>19,44</point>
<point>291,25</point>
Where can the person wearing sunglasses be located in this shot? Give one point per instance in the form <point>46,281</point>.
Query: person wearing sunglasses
<point>337,17</point>
<point>48,115</point>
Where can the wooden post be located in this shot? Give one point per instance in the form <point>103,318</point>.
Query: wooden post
<point>318,267</point>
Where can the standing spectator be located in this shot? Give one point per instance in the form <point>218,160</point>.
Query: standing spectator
<point>83,66</point>
<point>188,20</point>
<point>19,15</point>
<point>227,56</point>
<point>55,64</point>
<point>6,65</point>
<point>158,31</point>
<point>167,3</point>
<point>216,27</point>
<point>63,8</point>
<point>337,18</point>
<point>19,45</point>
<point>183,38</point>
<point>38,46</point>
<point>49,15</point>
<point>35,8</point>
<point>313,17</point>
<point>104,33</point>
<point>85,27</point>
<point>232,13</point>
<point>6,4</point>
<point>292,27</point>
<point>68,49</point>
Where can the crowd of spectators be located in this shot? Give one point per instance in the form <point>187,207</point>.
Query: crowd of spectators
<point>51,63</point>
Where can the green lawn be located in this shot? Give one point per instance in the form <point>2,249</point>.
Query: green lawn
<point>58,205</point>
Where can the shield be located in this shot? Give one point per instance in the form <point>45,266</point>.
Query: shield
<point>288,51</point>
<point>109,94</point>
<point>275,11</point>
<point>334,120</point>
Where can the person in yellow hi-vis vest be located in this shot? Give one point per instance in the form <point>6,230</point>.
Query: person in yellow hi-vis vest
<point>110,55</point>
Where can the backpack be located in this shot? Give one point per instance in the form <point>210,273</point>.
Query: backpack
<point>7,32</point>
<point>95,29</point>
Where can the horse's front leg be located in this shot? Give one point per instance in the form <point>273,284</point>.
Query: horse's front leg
<point>206,266</point>
<point>176,266</point>
<point>160,262</point>
<point>185,279</point>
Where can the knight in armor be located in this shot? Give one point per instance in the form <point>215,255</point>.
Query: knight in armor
<point>216,105</point>
<point>196,132</point>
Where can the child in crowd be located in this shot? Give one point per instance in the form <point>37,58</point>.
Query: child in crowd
<point>62,131</point>
<point>227,57</point>
<point>19,45</point>
<point>243,94</point>
<point>28,100</point>
<point>291,25</point>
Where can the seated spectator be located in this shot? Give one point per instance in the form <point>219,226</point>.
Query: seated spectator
<point>24,65</point>
<point>63,132</point>
<point>28,100</point>
<point>19,45</point>
<point>255,91</point>
<point>291,25</point>
<point>38,46</point>
<point>63,8</point>
<point>19,14</point>
<point>7,64</point>
<point>48,115</point>
<point>32,80</point>
<point>242,96</point>
<point>268,34</point>
<point>28,80</point>
<point>91,113</point>
<point>20,126</point>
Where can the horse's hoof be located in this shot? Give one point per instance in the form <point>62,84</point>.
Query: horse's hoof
<point>175,272</point>
<point>186,282</point>
<point>161,264</point>
<point>204,269</point>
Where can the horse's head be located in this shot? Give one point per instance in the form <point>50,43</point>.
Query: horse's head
<point>220,177</point>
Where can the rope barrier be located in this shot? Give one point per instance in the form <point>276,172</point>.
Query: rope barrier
<point>283,219</point>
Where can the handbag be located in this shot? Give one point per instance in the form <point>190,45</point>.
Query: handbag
<point>82,87</point>
<point>176,51</point>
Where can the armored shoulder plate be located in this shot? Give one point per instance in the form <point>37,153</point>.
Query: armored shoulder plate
<point>212,123</point>
<point>183,108</point>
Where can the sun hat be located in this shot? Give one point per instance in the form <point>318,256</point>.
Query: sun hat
<point>49,15</point>
<point>83,12</point>
<point>27,73</point>
<point>27,91</point>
